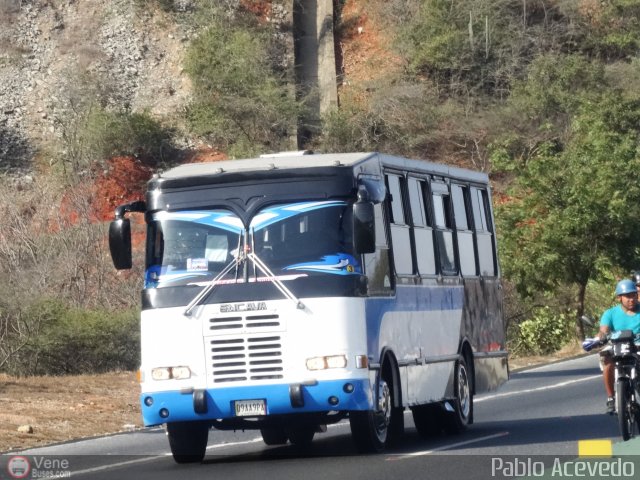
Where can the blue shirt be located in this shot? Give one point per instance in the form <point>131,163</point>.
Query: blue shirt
<point>616,319</point>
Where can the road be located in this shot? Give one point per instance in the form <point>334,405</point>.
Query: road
<point>540,415</point>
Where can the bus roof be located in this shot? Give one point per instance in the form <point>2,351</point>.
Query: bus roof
<point>298,160</point>
<point>268,162</point>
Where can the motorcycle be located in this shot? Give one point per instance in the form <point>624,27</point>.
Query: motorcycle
<point>624,351</point>
<point>625,356</point>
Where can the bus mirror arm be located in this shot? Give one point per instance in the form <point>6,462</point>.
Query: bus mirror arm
<point>139,206</point>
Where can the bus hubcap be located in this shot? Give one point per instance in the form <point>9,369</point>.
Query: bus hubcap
<point>384,410</point>
<point>464,395</point>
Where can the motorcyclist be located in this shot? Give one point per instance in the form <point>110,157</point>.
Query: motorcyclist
<point>625,316</point>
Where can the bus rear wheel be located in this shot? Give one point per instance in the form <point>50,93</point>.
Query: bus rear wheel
<point>459,419</point>
<point>188,441</point>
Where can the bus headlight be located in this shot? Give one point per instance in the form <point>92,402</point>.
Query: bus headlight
<point>168,373</point>
<point>331,361</point>
<point>180,373</point>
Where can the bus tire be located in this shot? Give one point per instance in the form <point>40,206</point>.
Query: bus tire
<point>458,420</point>
<point>428,419</point>
<point>188,441</point>
<point>273,436</point>
<point>370,429</point>
<point>301,436</point>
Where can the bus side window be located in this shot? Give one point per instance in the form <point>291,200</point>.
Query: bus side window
<point>400,235</point>
<point>466,248</point>
<point>422,227</point>
<point>377,264</point>
<point>444,228</point>
<point>484,231</point>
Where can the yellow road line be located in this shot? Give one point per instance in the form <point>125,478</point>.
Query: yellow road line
<point>595,448</point>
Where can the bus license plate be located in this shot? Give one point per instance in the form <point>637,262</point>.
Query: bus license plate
<point>249,408</point>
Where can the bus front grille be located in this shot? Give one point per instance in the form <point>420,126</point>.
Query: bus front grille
<point>246,358</point>
<point>248,323</point>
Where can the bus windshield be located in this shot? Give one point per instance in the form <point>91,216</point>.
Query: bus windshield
<point>294,240</point>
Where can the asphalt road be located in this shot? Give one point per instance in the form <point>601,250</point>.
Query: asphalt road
<point>539,416</point>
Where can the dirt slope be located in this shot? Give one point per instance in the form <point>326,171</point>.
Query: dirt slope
<point>63,408</point>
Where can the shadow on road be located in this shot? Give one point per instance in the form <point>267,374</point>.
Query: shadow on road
<point>484,438</point>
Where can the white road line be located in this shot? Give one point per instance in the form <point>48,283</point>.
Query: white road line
<point>155,457</point>
<point>404,456</point>
<point>538,389</point>
<point>116,465</point>
<point>234,444</point>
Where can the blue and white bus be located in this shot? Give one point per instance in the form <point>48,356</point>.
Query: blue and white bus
<point>288,292</point>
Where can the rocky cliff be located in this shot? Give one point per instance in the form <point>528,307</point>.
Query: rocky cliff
<point>48,49</point>
<point>52,51</point>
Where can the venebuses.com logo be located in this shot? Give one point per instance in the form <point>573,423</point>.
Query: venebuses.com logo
<point>19,466</point>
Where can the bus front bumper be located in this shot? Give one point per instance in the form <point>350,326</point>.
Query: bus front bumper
<point>219,403</point>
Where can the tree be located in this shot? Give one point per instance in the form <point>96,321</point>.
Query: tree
<point>572,213</point>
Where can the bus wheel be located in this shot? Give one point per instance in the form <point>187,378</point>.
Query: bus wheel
<point>188,441</point>
<point>458,420</point>
<point>301,436</point>
<point>273,436</point>
<point>371,428</point>
<point>428,419</point>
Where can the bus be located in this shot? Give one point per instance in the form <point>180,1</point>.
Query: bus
<point>288,292</point>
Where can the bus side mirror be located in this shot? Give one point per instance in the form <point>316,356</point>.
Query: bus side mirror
<point>120,243</point>
<point>364,232</point>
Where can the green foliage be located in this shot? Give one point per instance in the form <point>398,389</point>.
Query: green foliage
<point>625,77</point>
<point>471,47</point>
<point>611,30</point>
<point>570,213</point>
<point>242,102</point>
<point>124,133</point>
<point>544,333</point>
<point>554,86</point>
<point>68,340</point>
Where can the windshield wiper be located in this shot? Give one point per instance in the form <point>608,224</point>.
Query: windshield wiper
<point>276,281</point>
<point>243,255</point>
<point>213,284</point>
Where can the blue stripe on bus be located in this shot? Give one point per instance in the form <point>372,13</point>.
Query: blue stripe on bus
<point>409,298</point>
<point>220,401</point>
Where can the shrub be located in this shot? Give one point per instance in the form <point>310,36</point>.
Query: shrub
<point>398,117</point>
<point>544,333</point>
<point>124,133</point>
<point>67,340</point>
